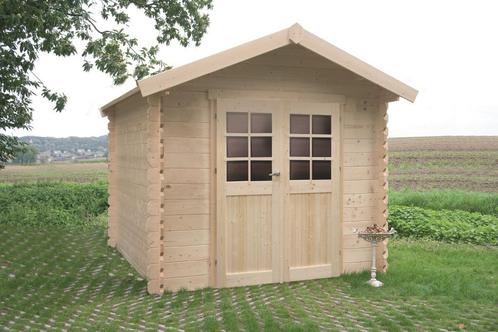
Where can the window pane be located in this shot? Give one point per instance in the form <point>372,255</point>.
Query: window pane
<point>321,124</point>
<point>321,170</point>
<point>300,147</point>
<point>260,146</point>
<point>321,147</point>
<point>260,170</point>
<point>237,171</point>
<point>237,147</point>
<point>260,123</point>
<point>237,122</point>
<point>299,169</point>
<point>299,124</point>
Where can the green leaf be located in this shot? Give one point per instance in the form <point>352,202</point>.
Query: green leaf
<point>29,28</point>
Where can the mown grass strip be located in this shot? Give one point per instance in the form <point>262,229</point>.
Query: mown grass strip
<point>485,203</point>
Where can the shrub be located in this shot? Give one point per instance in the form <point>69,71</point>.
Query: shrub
<point>485,203</point>
<point>45,204</point>
<point>444,225</point>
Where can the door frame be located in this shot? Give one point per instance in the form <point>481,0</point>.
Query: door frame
<point>217,226</point>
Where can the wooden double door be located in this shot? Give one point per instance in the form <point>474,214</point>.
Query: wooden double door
<point>277,191</point>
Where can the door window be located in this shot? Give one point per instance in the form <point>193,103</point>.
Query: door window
<point>249,146</point>
<point>310,143</point>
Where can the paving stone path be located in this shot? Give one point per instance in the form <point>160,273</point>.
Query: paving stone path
<point>67,279</point>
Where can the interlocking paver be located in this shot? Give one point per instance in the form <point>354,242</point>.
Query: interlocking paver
<point>70,280</point>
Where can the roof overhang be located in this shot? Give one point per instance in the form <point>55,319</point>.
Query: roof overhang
<point>293,35</point>
<point>105,109</point>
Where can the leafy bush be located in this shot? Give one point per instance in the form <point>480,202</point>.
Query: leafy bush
<point>444,225</point>
<point>485,203</point>
<point>45,204</point>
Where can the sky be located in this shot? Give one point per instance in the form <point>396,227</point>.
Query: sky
<point>448,50</point>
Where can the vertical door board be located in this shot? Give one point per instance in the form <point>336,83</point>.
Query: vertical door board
<point>289,231</point>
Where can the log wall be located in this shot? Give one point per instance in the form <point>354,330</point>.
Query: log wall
<point>161,182</point>
<point>186,188</point>
<point>134,191</point>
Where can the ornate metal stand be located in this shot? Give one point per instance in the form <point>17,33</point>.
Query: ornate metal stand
<point>374,238</point>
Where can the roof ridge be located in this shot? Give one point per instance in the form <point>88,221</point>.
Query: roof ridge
<point>295,34</point>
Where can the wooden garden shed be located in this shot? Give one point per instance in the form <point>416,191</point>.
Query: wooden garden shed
<point>254,165</point>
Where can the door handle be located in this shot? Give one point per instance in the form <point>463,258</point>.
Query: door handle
<point>277,173</point>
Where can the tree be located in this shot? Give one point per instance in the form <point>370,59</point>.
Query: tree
<point>31,27</point>
<point>25,155</point>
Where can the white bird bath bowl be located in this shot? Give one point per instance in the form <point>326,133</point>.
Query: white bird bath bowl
<point>375,238</point>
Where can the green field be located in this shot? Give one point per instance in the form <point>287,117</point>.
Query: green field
<point>65,172</point>
<point>57,272</point>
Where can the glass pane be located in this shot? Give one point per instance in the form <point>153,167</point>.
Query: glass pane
<point>260,146</point>
<point>237,122</point>
<point>299,169</point>
<point>237,147</point>
<point>321,147</point>
<point>260,170</point>
<point>321,124</point>
<point>299,124</point>
<point>260,123</point>
<point>237,171</point>
<point>321,170</point>
<point>300,147</point>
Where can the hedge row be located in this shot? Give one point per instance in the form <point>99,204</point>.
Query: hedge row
<point>44,204</point>
<point>59,203</point>
<point>444,225</point>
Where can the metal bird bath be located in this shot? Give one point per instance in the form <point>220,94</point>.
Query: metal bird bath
<point>374,238</point>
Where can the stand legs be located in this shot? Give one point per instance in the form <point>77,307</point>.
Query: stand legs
<point>373,272</point>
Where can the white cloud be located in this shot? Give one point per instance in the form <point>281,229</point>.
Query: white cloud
<point>445,49</point>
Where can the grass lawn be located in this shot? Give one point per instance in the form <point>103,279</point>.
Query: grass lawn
<point>67,278</point>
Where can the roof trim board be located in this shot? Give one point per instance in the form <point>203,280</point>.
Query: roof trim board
<point>296,35</point>
<point>182,74</point>
<point>292,35</point>
<point>357,66</point>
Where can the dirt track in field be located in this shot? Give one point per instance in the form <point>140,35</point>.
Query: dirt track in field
<point>459,162</point>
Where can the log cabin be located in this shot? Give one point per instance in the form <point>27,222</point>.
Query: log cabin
<point>254,165</point>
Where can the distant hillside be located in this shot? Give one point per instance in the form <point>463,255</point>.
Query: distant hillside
<point>66,143</point>
<point>68,148</point>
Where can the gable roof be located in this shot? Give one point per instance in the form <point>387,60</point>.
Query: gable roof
<point>292,35</point>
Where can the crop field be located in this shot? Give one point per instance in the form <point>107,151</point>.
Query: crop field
<point>426,163</point>
<point>65,172</point>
